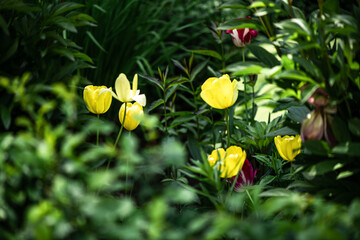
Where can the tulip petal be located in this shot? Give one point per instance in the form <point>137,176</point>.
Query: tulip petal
<point>235,91</point>
<point>141,99</point>
<point>216,155</point>
<point>88,98</point>
<point>122,88</point>
<point>135,85</point>
<point>208,83</point>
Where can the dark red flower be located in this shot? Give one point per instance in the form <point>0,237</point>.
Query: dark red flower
<point>245,177</point>
<point>242,36</point>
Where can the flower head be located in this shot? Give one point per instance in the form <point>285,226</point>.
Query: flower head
<point>288,146</point>
<point>124,93</point>
<point>229,162</point>
<point>242,36</point>
<point>313,126</point>
<point>132,116</point>
<point>97,101</point>
<point>246,176</point>
<point>220,92</point>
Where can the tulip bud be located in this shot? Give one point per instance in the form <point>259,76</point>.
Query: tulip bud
<point>132,117</point>
<point>220,92</point>
<point>97,100</point>
<point>288,146</point>
<point>229,162</point>
<point>313,126</point>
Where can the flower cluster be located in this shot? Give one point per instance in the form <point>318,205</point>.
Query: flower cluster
<point>98,100</point>
<point>234,166</point>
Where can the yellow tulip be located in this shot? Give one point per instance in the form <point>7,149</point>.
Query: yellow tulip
<point>229,162</point>
<point>288,146</point>
<point>125,94</point>
<point>133,114</point>
<point>97,100</point>
<point>220,92</point>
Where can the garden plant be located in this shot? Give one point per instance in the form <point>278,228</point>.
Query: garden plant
<point>179,119</point>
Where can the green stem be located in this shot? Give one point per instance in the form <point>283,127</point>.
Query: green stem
<point>253,104</point>
<point>196,109</point>
<point>118,136</point>
<point>212,128</point>
<point>227,116</point>
<point>245,97</point>
<point>126,174</point>
<point>222,57</point>
<point>292,170</point>
<point>166,127</point>
<point>290,9</point>
<point>97,132</point>
<point>275,167</point>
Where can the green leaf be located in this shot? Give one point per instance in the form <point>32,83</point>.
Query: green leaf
<point>323,167</point>
<point>170,92</point>
<point>287,63</point>
<point>181,120</point>
<point>282,131</point>
<point>247,70</point>
<point>65,7</point>
<point>264,159</point>
<point>344,174</point>
<point>297,25</point>
<point>340,130</point>
<point>64,52</point>
<point>153,80</point>
<point>298,113</point>
<point>197,69</point>
<point>176,82</point>
<point>65,24</point>
<point>210,53</point>
<point>6,116</point>
<point>240,23</point>
<point>354,126</point>
<point>348,148</point>
<point>155,104</point>
<point>316,147</point>
<point>263,55</point>
<point>179,65</point>
<point>3,25</point>
<point>10,51</point>
<point>276,192</point>
<point>95,41</point>
<point>267,180</point>
<point>83,56</point>
<point>294,75</point>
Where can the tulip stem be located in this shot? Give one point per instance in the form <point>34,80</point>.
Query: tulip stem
<point>227,116</point>
<point>233,184</point>
<point>253,104</point>
<point>166,127</point>
<point>245,98</point>
<point>97,132</point>
<point>212,128</point>
<point>292,170</point>
<point>122,126</point>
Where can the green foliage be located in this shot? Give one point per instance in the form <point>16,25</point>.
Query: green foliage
<point>56,183</point>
